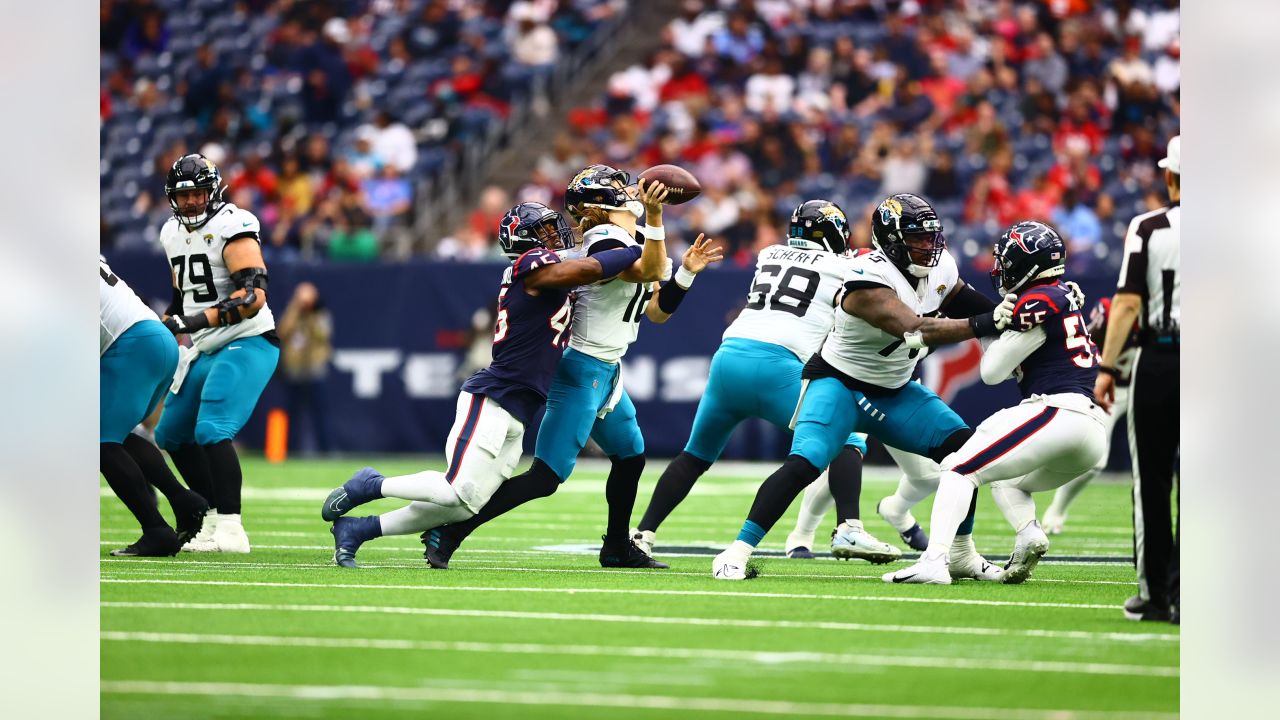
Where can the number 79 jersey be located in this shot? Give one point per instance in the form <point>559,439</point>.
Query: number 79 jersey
<point>202,276</point>
<point>792,299</point>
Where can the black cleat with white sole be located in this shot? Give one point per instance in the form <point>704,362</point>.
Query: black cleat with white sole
<point>156,542</point>
<point>626,556</point>
<point>1138,609</point>
<point>440,547</point>
<point>189,514</point>
<point>800,553</point>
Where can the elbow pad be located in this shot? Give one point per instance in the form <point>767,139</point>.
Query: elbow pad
<point>250,278</point>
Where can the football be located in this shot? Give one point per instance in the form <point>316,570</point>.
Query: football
<point>683,185</point>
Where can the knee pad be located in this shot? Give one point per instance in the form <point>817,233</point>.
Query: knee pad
<point>954,442</point>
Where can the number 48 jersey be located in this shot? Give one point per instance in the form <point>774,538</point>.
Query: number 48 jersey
<point>792,299</point>
<point>202,276</point>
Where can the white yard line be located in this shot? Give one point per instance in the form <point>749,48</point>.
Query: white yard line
<point>325,693</point>
<point>630,651</point>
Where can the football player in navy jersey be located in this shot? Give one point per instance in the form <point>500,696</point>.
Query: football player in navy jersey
<point>1053,435</point>
<point>535,312</point>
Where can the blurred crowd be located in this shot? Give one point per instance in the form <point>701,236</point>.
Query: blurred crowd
<point>325,116</point>
<point>994,110</point>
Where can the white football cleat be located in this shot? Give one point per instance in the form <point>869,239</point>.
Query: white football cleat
<point>1054,522</point>
<point>229,536</point>
<point>1031,545</point>
<point>643,540</point>
<point>930,570</point>
<point>850,540</point>
<point>203,540</point>
<point>967,563</point>
<point>732,563</point>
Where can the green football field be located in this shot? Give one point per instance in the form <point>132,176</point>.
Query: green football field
<point>526,624</point>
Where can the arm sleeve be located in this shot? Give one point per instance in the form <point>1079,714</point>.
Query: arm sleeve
<point>1005,354</point>
<point>967,302</point>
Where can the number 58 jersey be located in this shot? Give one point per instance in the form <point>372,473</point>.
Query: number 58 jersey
<point>202,276</point>
<point>792,299</point>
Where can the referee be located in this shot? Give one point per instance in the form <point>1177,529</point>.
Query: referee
<point>1149,289</point>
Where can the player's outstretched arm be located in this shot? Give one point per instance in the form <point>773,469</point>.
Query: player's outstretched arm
<point>700,254</point>
<point>880,306</point>
<point>572,273</point>
<point>1000,358</point>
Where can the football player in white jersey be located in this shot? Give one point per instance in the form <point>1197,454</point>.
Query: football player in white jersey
<point>861,379</point>
<point>756,372</point>
<point>587,398</point>
<point>137,357</point>
<point>220,298</point>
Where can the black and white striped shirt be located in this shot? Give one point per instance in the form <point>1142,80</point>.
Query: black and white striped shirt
<point>1152,252</point>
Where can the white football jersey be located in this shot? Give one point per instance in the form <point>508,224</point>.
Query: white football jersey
<point>202,275</point>
<point>119,308</point>
<point>867,353</point>
<point>606,315</point>
<point>792,298</point>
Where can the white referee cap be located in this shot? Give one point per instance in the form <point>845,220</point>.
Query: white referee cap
<point>1173,156</point>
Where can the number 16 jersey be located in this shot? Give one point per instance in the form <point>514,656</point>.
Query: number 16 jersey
<point>792,299</point>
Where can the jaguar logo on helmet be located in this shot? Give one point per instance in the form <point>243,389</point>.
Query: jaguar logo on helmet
<point>890,210</point>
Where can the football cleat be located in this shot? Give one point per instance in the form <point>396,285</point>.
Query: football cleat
<point>644,540</point>
<point>364,486</point>
<point>203,540</point>
<point>156,542</point>
<point>800,553</point>
<point>908,529</point>
<point>345,542</point>
<point>229,536</point>
<point>1054,522</point>
<point>1140,609</point>
<point>731,564</point>
<point>1031,545</point>
<point>189,514</point>
<point>800,545</point>
<point>627,556</point>
<point>440,547</point>
<point>967,563</point>
<point>930,570</point>
<point>850,540</point>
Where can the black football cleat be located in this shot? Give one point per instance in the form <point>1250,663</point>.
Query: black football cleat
<point>915,538</point>
<point>156,542</point>
<point>1136,608</point>
<point>627,556</point>
<point>440,547</point>
<point>189,514</point>
<point>800,553</point>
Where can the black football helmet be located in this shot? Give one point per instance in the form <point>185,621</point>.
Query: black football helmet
<point>821,225</point>
<point>532,225</point>
<point>1028,251</point>
<point>907,230</point>
<point>599,186</point>
<point>194,172</point>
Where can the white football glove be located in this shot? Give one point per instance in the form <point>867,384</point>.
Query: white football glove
<point>1003,313</point>
<point>1075,296</point>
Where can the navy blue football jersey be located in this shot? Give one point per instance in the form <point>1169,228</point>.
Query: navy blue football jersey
<point>530,335</point>
<point>1068,360</point>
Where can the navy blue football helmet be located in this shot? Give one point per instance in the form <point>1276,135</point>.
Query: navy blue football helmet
<point>1028,251</point>
<point>532,225</point>
<point>598,186</point>
<point>194,172</point>
<point>820,224</point>
<point>907,230</point>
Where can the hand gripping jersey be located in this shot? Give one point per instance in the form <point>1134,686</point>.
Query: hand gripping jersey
<point>528,340</point>
<point>202,276</point>
<point>118,307</point>
<point>868,354</point>
<point>1067,362</point>
<point>606,315</point>
<point>792,299</point>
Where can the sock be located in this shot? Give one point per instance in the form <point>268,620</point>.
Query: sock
<point>966,526</point>
<point>427,486</point>
<point>1063,498</point>
<point>814,505</point>
<point>193,465</point>
<point>367,527</point>
<point>845,480</point>
<point>751,533</point>
<point>775,495</point>
<point>955,494</point>
<point>155,469</point>
<point>1016,504</point>
<point>620,493</point>
<point>418,516</point>
<point>673,487</point>
<point>536,482</point>
<point>126,481</point>
<point>224,466</point>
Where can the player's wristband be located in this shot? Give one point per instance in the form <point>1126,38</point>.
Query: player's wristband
<point>179,324</point>
<point>914,340</point>
<point>653,233</point>
<point>669,297</point>
<point>1109,371</point>
<point>984,325</point>
<point>684,277</point>
<point>617,260</point>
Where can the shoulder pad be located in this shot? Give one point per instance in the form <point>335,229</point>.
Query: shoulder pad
<point>609,231</point>
<point>1039,304</point>
<point>232,221</point>
<point>872,267</point>
<point>532,260</point>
